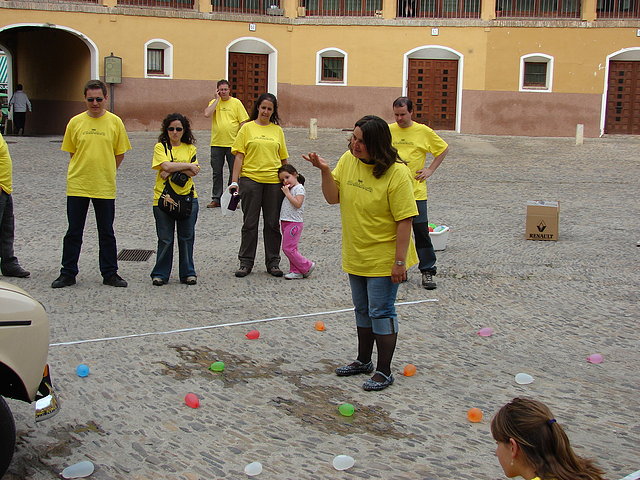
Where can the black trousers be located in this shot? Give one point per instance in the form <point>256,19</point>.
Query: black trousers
<point>77,208</point>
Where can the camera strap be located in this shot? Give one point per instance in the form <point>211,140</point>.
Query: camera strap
<point>167,146</point>
<point>170,148</point>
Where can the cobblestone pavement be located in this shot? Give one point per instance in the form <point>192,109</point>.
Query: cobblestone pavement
<point>550,304</point>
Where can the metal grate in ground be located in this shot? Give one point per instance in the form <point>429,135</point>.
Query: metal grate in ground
<point>127,255</point>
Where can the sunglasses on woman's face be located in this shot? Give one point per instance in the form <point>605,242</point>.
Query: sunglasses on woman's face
<point>177,129</point>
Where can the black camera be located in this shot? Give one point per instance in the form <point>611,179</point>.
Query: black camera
<point>180,178</point>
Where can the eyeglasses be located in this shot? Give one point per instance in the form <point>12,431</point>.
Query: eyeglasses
<point>95,99</point>
<point>177,129</point>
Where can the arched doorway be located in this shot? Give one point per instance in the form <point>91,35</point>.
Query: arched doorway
<point>433,81</point>
<point>251,69</point>
<point>53,77</point>
<point>621,98</point>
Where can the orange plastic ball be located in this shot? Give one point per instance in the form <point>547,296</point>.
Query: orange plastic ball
<point>409,370</point>
<point>319,325</point>
<point>474,415</point>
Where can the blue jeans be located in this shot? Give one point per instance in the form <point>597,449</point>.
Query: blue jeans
<point>165,226</point>
<point>424,247</point>
<point>105,211</point>
<point>374,301</point>
<point>218,156</point>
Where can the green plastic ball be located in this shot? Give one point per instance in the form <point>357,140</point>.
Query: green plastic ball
<point>217,367</point>
<point>346,409</point>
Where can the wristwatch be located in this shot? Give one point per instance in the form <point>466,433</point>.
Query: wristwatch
<point>400,262</point>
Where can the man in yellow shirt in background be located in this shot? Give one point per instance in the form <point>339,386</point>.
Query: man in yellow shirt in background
<point>413,142</point>
<point>227,115</point>
<point>96,141</point>
<point>8,261</point>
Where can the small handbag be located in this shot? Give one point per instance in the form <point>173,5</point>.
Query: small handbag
<point>176,206</point>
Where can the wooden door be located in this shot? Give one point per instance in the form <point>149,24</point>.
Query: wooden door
<point>433,88</point>
<point>248,75</point>
<point>623,98</point>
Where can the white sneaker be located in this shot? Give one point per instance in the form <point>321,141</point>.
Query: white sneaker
<point>313,266</point>
<point>293,276</point>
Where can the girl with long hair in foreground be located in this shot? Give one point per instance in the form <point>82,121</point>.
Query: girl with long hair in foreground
<point>534,446</point>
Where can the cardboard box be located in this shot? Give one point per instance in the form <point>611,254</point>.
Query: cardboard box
<point>439,239</point>
<point>543,220</point>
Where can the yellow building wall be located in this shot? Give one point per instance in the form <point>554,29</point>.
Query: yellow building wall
<point>376,53</point>
<point>579,54</point>
<point>490,54</point>
<point>491,58</point>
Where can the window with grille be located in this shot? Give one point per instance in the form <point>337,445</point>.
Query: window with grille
<point>155,61</point>
<point>261,7</point>
<point>438,8</point>
<point>538,8</point>
<point>331,67</point>
<point>342,8</point>
<point>158,59</point>
<point>536,72</point>
<point>182,4</point>
<point>618,8</point>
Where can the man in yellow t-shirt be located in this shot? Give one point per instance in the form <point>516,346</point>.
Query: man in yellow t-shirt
<point>96,141</point>
<point>8,261</point>
<point>414,142</point>
<point>227,115</point>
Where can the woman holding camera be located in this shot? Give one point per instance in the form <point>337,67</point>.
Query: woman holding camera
<point>174,157</point>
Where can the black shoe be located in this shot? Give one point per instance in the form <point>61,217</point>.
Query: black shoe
<point>157,281</point>
<point>354,368</point>
<point>16,271</point>
<point>427,281</point>
<point>192,280</point>
<point>115,280</point>
<point>243,271</point>
<point>275,271</point>
<point>374,385</point>
<point>63,281</point>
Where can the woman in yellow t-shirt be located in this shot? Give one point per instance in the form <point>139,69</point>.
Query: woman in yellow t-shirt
<point>533,445</point>
<point>374,189</point>
<point>175,152</point>
<point>260,150</point>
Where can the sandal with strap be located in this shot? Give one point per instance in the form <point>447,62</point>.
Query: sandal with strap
<point>372,385</point>
<point>354,368</point>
